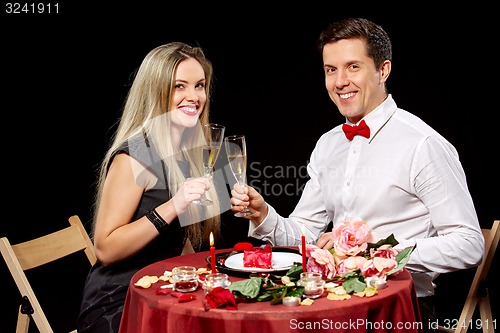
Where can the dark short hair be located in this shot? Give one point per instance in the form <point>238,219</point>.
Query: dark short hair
<point>378,43</point>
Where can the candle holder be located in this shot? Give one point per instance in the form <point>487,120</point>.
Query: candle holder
<point>185,278</point>
<point>291,301</point>
<point>215,280</point>
<point>376,282</point>
<point>313,284</point>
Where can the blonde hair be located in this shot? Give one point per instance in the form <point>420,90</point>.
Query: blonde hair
<point>146,111</point>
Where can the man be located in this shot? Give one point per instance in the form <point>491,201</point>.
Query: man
<point>393,171</point>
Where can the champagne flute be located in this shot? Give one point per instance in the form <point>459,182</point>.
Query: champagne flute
<point>213,133</point>
<point>237,155</point>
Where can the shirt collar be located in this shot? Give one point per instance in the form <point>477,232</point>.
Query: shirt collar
<point>377,118</point>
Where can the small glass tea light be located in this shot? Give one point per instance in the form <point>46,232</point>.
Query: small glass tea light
<point>313,284</point>
<point>215,280</point>
<point>185,278</point>
<point>379,283</point>
<point>291,301</point>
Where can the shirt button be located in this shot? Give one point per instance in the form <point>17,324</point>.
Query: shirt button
<point>348,183</point>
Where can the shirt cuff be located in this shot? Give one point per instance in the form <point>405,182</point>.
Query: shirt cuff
<point>267,225</point>
<point>404,243</point>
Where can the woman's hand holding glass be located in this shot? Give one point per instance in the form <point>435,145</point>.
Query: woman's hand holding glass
<point>213,134</point>
<point>190,191</point>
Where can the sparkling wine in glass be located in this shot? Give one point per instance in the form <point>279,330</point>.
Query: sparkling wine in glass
<point>237,155</point>
<point>214,134</point>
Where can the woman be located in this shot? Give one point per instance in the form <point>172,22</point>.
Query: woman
<point>148,178</point>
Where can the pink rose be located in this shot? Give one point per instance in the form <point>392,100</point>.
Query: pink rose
<point>378,267</point>
<point>351,237</point>
<point>350,264</point>
<point>384,251</point>
<point>321,261</point>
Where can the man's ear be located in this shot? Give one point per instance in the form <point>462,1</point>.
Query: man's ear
<point>385,70</point>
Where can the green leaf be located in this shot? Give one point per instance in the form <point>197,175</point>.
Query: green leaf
<point>278,295</point>
<point>391,240</point>
<point>265,296</point>
<point>296,291</point>
<point>354,284</point>
<point>248,288</point>
<point>279,292</point>
<point>356,273</point>
<point>293,273</point>
<point>402,258</point>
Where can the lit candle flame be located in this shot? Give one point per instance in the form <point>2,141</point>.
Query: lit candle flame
<point>303,230</point>
<point>211,238</point>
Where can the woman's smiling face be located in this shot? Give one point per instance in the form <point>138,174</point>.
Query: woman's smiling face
<point>189,97</point>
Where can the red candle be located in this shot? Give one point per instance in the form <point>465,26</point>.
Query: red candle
<point>303,243</point>
<point>212,253</point>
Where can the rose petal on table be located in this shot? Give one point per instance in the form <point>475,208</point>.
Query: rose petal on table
<point>339,290</point>
<point>285,279</point>
<point>330,285</point>
<point>307,301</point>
<point>370,291</point>
<point>186,298</point>
<point>221,298</point>
<point>163,291</point>
<point>183,297</point>
<point>146,281</point>
<point>143,283</point>
<point>202,270</point>
<point>336,297</point>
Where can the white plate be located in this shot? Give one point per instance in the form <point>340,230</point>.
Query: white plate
<point>281,261</point>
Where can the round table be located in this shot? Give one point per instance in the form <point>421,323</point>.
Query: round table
<point>393,309</point>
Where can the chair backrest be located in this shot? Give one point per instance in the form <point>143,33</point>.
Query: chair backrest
<point>37,252</point>
<point>478,292</point>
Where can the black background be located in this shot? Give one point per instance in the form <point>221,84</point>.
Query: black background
<point>65,77</point>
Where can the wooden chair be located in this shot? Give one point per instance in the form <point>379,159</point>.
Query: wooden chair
<point>478,293</point>
<point>37,252</point>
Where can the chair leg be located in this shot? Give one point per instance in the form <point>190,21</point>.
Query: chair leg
<point>23,322</point>
<point>466,316</point>
<point>485,314</point>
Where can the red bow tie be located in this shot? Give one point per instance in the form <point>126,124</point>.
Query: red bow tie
<point>351,131</point>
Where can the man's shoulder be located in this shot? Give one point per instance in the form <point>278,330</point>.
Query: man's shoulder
<point>332,133</point>
<point>414,122</point>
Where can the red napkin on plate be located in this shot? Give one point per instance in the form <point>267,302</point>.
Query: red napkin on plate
<point>220,298</point>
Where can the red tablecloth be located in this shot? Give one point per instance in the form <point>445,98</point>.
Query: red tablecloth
<point>394,309</point>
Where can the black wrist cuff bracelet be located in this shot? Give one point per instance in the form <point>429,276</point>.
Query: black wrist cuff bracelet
<point>160,224</point>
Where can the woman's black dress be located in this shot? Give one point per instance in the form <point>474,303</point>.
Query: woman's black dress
<point>106,287</point>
